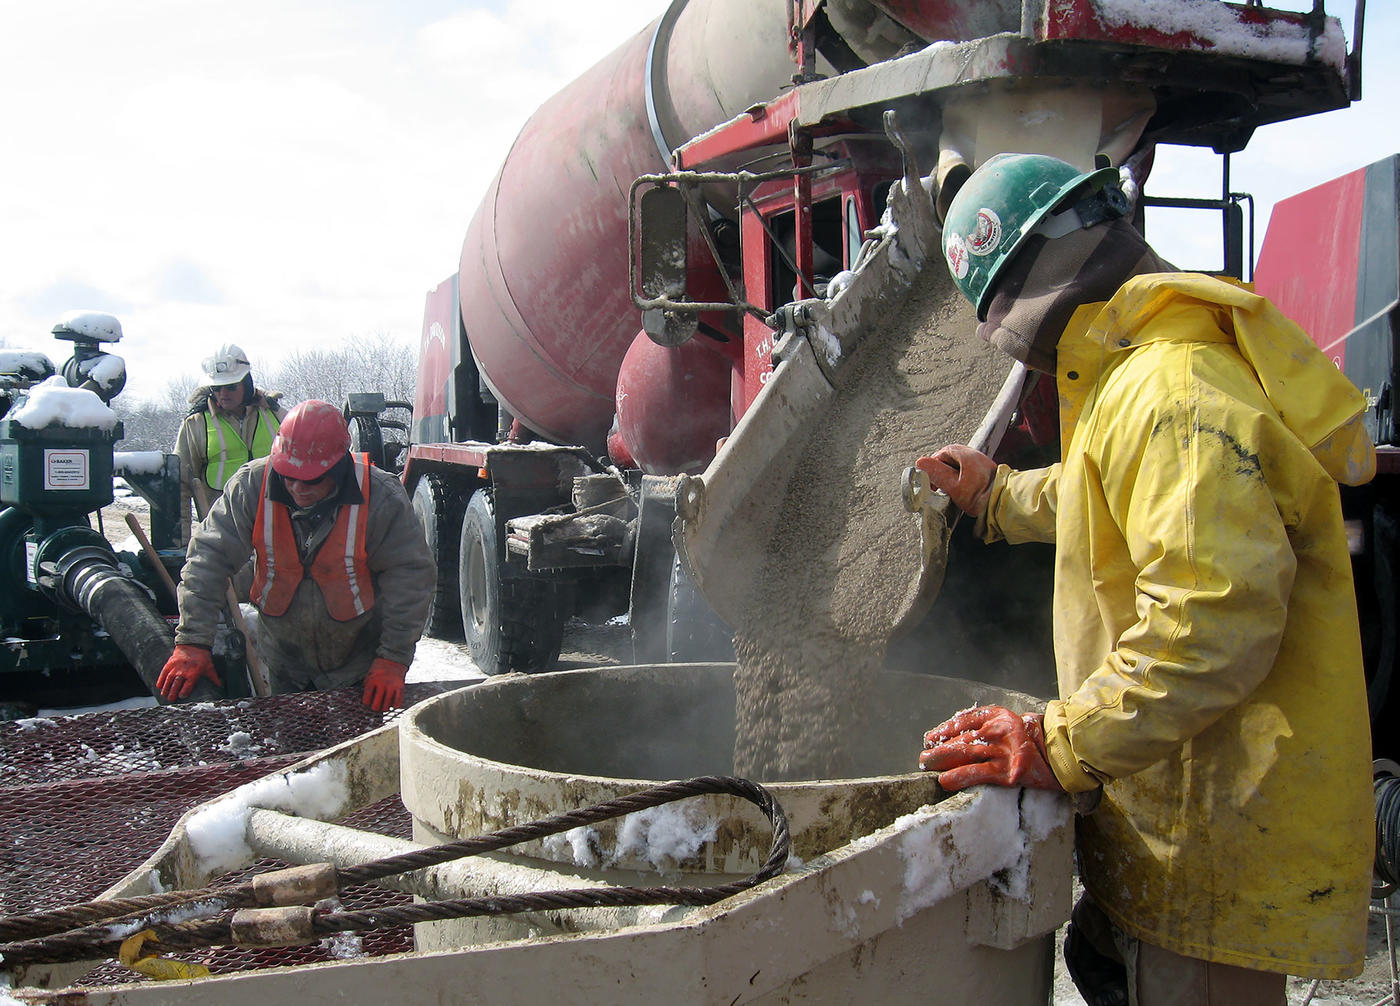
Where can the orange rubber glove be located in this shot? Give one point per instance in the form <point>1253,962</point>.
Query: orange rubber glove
<point>183,670</point>
<point>989,745</point>
<point>384,685</point>
<point>964,473</point>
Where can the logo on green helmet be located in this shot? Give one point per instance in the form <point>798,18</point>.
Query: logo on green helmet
<point>956,253</point>
<point>986,233</point>
<point>984,240</point>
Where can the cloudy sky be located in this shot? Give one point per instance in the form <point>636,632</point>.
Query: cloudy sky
<point>279,173</point>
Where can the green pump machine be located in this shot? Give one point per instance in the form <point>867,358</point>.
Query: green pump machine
<point>80,621</point>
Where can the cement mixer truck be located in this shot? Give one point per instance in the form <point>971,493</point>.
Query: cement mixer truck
<point>658,225</point>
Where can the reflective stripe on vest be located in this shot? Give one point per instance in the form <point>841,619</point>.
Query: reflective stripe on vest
<point>225,449</point>
<point>340,566</point>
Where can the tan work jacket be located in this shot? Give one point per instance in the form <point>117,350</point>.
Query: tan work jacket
<point>304,643</point>
<point>192,447</point>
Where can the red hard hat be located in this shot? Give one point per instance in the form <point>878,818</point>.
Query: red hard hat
<point>311,439</point>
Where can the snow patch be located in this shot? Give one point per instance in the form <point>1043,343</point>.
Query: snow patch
<point>344,946</point>
<point>945,853</point>
<point>665,835</point>
<point>1041,813</point>
<point>107,372</point>
<point>217,834</point>
<point>187,911</point>
<point>53,403</point>
<point>138,462</point>
<point>97,325</point>
<point>582,843</point>
<point>26,363</point>
<point>29,723</point>
<point>1216,28</point>
<point>433,659</point>
<point>240,744</point>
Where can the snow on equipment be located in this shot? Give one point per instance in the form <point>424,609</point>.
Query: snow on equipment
<point>75,614</point>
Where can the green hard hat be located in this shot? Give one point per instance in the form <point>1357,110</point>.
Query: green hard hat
<point>1003,202</point>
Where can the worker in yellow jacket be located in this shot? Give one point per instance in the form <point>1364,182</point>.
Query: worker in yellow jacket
<point>1212,697</point>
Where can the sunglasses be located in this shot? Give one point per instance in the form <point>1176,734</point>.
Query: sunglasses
<point>309,482</point>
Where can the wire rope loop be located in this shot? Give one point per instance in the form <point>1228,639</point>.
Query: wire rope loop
<point>95,939</point>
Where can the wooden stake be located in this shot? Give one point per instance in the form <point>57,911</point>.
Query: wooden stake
<point>153,555</point>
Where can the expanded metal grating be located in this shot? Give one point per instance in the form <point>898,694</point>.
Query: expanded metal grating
<point>388,817</point>
<point>157,738</point>
<point>85,799</point>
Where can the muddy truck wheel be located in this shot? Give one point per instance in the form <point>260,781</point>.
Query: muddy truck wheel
<point>511,623</point>
<point>438,504</point>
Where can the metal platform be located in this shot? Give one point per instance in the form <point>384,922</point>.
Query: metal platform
<point>85,799</point>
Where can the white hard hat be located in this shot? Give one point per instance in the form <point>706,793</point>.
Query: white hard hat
<point>228,365</point>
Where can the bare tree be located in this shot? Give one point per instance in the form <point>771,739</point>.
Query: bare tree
<point>151,425</point>
<point>375,361</point>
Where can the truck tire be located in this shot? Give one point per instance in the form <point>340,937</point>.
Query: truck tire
<point>439,509</point>
<point>694,633</point>
<point>511,623</point>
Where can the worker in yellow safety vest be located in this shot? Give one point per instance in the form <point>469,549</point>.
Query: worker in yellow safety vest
<point>230,423</point>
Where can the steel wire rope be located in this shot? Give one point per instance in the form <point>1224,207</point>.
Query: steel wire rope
<point>1387,864</point>
<point>104,940</point>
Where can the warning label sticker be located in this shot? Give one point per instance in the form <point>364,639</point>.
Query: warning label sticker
<point>65,468</point>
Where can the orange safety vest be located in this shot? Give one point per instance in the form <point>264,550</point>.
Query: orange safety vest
<point>340,566</point>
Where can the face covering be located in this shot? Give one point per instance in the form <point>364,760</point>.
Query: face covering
<point>1048,279</point>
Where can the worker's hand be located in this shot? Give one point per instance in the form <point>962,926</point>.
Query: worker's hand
<point>992,745</point>
<point>183,670</point>
<point>384,685</point>
<point>964,473</point>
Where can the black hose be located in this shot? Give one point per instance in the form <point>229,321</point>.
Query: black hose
<point>89,578</point>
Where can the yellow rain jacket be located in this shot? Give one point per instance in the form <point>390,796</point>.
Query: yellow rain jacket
<point>1206,635</point>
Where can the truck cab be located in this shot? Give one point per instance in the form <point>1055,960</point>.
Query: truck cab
<point>846,200</point>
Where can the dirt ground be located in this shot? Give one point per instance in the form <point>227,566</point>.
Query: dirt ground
<point>1371,988</point>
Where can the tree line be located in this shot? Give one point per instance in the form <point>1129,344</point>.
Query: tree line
<point>372,362</point>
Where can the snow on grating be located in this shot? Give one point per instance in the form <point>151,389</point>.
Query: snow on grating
<point>86,799</point>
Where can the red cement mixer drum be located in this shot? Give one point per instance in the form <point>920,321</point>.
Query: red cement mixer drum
<point>543,276</point>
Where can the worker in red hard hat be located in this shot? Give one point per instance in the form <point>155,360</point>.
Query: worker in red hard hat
<point>342,575</point>
<point>230,423</point>
<point>1212,699</point>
